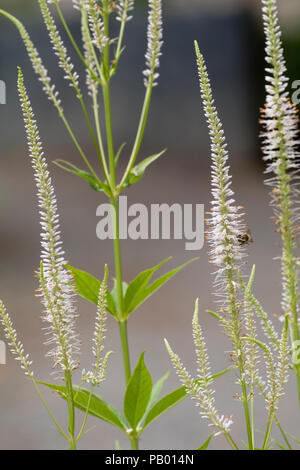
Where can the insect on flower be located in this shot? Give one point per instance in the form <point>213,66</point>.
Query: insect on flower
<point>245,238</point>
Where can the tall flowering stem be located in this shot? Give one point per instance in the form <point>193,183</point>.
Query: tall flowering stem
<point>100,54</point>
<point>96,376</point>
<point>153,53</point>
<point>200,390</point>
<point>280,143</point>
<point>124,9</point>
<point>225,228</point>
<point>55,280</point>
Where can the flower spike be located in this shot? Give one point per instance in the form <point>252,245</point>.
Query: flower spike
<point>155,35</point>
<point>55,279</point>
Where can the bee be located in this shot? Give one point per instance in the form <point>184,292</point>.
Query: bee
<point>245,238</point>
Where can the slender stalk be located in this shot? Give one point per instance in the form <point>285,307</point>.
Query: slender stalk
<point>99,137</point>
<point>231,441</point>
<point>85,415</point>
<point>60,430</point>
<point>283,433</point>
<point>89,166</point>
<point>298,381</point>
<point>109,134</point>
<point>115,204</point>
<point>268,430</point>
<point>125,349</point>
<point>120,40</point>
<point>134,442</point>
<point>119,282</point>
<point>71,409</point>
<point>139,135</point>
<point>98,146</point>
<point>252,416</point>
<point>239,350</point>
<point>247,414</point>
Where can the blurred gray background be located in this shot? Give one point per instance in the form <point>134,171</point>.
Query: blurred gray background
<point>230,37</point>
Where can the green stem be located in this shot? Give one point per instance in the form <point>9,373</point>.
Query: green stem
<point>98,147</point>
<point>134,442</point>
<point>60,430</point>
<point>283,434</point>
<point>119,284</point>
<point>115,204</point>
<point>298,382</point>
<point>252,415</point>
<point>125,349</point>
<point>71,409</point>
<point>99,136</point>
<point>268,430</point>
<point>86,414</point>
<point>139,135</point>
<point>89,166</point>
<point>247,415</point>
<point>230,441</point>
<point>109,134</point>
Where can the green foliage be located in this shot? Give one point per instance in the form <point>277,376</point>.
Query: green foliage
<point>138,393</point>
<point>135,293</point>
<point>138,171</point>
<point>87,287</point>
<point>97,406</point>
<point>94,183</point>
<point>206,443</point>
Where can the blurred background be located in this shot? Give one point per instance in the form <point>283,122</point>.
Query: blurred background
<point>231,38</point>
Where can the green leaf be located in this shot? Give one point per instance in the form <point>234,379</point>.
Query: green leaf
<point>98,407</point>
<point>95,184</point>
<point>206,443</point>
<point>164,404</point>
<point>215,315</point>
<point>147,291</point>
<point>157,388</point>
<point>172,399</point>
<point>154,395</point>
<point>88,288</point>
<point>138,393</point>
<point>138,171</point>
<point>138,284</point>
<point>119,153</point>
<point>217,376</point>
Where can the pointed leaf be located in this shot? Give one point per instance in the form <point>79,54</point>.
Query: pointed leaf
<point>164,404</point>
<point>143,294</point>
<point>206,443</point>
<point>157,388</point>
<point>155,394</point>
<point>138,171</point>
<point>88,286</point>
<point>119,153</point>
<point>95,184</point>
<point>98,407</point>
<point>138,284</point>
<point>138,393</point>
